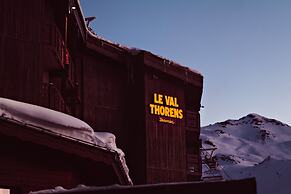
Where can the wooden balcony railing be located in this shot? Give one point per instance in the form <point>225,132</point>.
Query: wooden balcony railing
<point>192,120</point>
<point>193,164</point>
<point>52,98</point>
<point>53,47</point>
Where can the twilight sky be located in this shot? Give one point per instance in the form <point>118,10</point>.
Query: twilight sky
<point>242,47</point>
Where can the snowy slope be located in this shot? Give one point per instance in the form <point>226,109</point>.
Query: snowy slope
<point>253,146</point>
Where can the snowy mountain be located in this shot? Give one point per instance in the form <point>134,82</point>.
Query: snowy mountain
<point>253,146</point>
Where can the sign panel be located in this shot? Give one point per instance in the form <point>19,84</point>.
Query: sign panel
<point>167,107</point>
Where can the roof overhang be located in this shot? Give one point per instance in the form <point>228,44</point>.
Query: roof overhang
<point>43,137</point>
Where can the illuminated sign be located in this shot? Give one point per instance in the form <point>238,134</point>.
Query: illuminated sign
<point>166,106</point>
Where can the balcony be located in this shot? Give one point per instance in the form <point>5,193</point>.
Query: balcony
<point>53,50</point>
<point>192,121</point>
<point>52,98</point>
<point>71,87</point>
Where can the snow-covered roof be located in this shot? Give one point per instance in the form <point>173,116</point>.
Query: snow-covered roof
<point>135,51</point>
<point>59,123</point>
<point>48,119</point>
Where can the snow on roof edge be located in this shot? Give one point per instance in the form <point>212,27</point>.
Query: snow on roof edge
<point>41,129</point>
<point>135,51</point>
<point>132,50</point>
<point>61,124</point>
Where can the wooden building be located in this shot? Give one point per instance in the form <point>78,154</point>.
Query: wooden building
<point>48,57</point>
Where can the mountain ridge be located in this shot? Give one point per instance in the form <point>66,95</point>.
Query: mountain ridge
<point>252,146</point>
<point>255,116</point>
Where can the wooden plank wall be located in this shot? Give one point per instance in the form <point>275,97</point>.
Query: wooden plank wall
<point>26,167</point>
<point>166,154</point>
<point>20,69</point>
<point>192,126</point>
<point>30,49</point>
<point>104,91</point>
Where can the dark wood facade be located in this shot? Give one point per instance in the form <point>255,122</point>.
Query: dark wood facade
<point>172,149</point>
<point>49,58</point>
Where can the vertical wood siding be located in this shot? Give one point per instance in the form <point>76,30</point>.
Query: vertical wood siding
<point>165,142</point>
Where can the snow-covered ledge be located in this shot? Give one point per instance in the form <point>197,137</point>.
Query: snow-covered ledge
<point>59,123</point>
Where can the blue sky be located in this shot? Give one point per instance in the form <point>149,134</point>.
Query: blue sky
<point>242,47</point>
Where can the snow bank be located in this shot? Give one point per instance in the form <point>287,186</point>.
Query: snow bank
<point>79,188</point>
<point>4,191</point>
<point>110,141</point>
<point>54,190</point>
<point>273,176</point>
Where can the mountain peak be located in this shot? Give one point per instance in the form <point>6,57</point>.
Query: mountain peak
<point>254,115</point>
<point>256,119</point>
<point>253,127</point>
<point>253,119</point>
